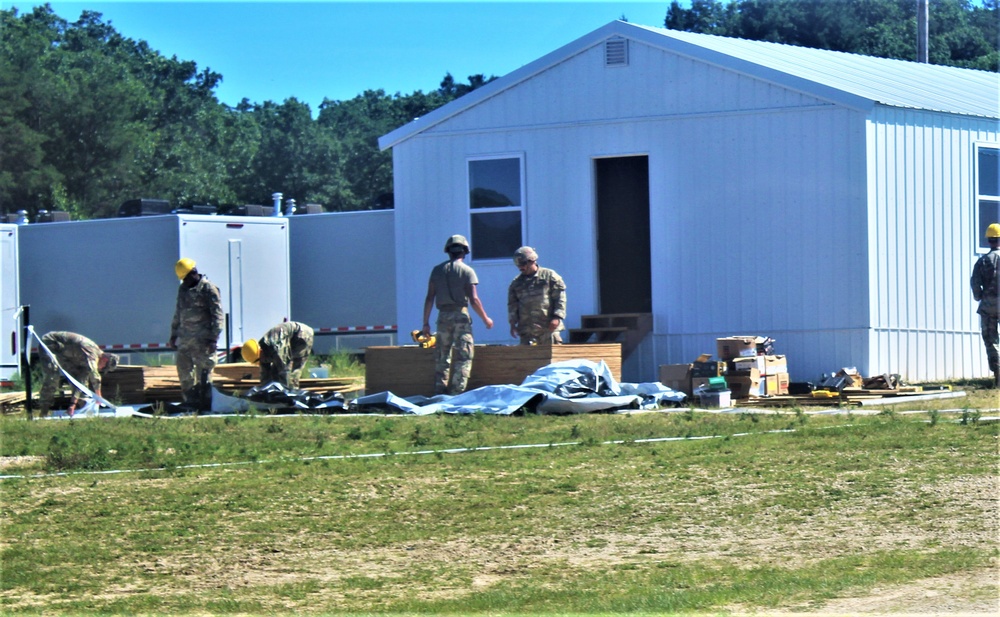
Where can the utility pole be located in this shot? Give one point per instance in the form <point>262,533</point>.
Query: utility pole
<point>922,30</point>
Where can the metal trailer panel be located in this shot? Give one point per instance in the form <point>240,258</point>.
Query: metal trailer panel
<point>10,340</point>
<point>344,278</point>
<point>113,280</point>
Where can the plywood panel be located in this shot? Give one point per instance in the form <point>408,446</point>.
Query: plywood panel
<point>408,371</point>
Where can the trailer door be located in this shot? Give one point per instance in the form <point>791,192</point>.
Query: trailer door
<point>9,302</point>
<point>236,293</point>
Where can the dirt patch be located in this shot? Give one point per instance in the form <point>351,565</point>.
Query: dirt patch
<point>7,462</point>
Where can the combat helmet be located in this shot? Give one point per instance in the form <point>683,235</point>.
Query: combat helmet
<point>525,255</point>
<point>456,240</point>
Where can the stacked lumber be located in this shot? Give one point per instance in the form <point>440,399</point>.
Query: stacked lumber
<point>409,370</point>
<point>11,402</point>
<point>849,396</point>
<point>150,384</point>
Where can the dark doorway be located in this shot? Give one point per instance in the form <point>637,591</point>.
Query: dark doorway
<point>623,235</point>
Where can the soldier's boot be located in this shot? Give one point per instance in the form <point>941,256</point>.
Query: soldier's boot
<point>204,393</point>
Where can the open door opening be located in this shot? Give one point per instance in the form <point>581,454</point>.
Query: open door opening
<point>623,244</point>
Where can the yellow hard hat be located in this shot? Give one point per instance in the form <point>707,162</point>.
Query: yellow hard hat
<point>183,267</point>
<point>251,351</point>
<point>993,231</point>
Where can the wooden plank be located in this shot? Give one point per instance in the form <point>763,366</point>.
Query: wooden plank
<point>409,370</point>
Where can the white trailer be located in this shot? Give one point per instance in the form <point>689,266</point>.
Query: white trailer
<point>10,341</point>
<point>344,278</point>
<point>113,280</point>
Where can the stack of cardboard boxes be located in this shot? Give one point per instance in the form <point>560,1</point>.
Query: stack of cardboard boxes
<point>748,365</point>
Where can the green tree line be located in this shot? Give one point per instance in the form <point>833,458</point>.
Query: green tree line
<point>960,33</point>
<point>90,118</point>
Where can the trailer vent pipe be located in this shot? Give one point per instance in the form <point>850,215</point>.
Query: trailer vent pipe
<point>276,197</point>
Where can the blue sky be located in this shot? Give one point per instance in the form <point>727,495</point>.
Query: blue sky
<point>311,50</point>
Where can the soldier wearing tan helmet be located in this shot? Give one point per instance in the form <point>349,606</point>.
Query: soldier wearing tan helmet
<point>452,289</point>
<point>536,301</point>
<point>986,290</point>
<point>194,333</point>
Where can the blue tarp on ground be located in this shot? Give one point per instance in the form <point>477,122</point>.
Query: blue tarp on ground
<point>568,387</point>
<point>571,386</point>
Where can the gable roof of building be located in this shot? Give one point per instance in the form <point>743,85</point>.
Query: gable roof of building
<point>852,80</point>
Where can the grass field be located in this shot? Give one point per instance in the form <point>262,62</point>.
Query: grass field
<point>680,512</point>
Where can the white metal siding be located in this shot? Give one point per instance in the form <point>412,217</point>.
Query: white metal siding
<point>582,90</point>
<point>922,243</point>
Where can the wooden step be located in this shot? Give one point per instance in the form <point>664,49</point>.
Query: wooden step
<point>627,328</point>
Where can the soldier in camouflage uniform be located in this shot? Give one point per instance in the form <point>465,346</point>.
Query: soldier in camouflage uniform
<point>194,333</point>
<point>282,352</point>
<point>986,290</point>
<point>81,358</point>
<point>452,288</point>
<point>536,301</point>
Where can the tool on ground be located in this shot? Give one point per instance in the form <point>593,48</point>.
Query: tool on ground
<point>426,341</point>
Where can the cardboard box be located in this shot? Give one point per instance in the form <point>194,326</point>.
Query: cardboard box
<point>748,363</point>
<point>676,377</point>
<point>743,387</point>
<point>782,384</point>
<point>774,365</point>
<point>730,347</point>
<point>708,369</point>
<point>770,385</point>
<point>715,400</point>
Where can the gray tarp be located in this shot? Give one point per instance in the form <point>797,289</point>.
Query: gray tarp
<point>571,386</point>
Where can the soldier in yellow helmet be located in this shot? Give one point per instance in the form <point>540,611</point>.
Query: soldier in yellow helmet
<point>194,332</point>
<point>282,352</point>
<point>986,290</point>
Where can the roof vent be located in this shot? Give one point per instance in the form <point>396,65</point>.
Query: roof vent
<point>616,52</point>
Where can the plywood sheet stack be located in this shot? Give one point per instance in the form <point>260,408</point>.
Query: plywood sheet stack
<point>409,370</point>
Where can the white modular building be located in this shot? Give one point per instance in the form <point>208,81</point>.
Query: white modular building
<point>343,278</point>
<point>113,280</point>
<point>833,202</point>
<point>10,302</point>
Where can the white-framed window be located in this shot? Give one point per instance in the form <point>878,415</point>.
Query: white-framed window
<point>496,205</point>
<point>987,188</point>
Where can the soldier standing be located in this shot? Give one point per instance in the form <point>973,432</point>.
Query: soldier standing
<point>986,290</point>
<point>282,352</point>
<point>452,288</point>
<point>82,360</point>
<point>536,301</point>
<point>194,333</point>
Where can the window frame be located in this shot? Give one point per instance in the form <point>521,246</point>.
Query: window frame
<point>519,209</point>
<point>979,198</point>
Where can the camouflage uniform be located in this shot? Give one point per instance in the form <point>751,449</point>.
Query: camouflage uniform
<point>986,290</point>
<point>454,348</point>
<point>283,352</point>
<point>532,302</point>
<point>198,321</point>
<point>78,356</point>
